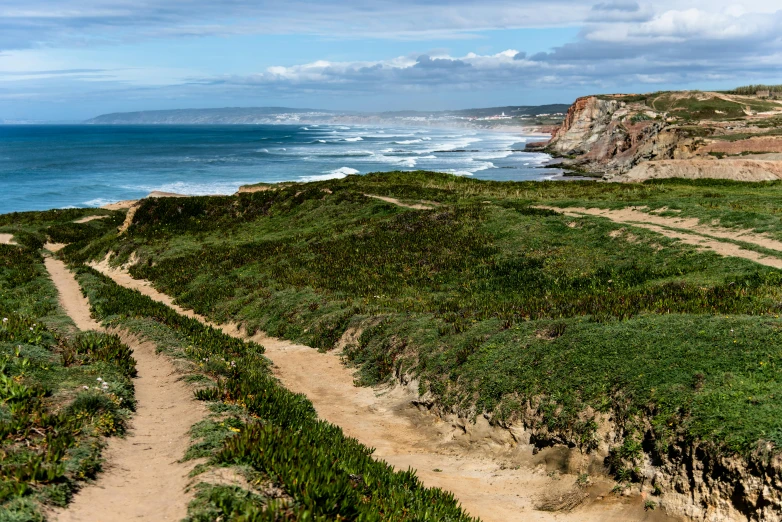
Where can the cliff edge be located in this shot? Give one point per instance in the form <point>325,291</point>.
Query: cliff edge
<point>691,134</point>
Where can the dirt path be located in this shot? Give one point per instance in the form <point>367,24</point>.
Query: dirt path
<point>689,231</point>
<point>7,239</point>
<point>394,201</point>
<point>481,474</point>
<point>142,480</point>
<point>87,219</point>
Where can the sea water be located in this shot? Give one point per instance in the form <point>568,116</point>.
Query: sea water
<point>58,166</point>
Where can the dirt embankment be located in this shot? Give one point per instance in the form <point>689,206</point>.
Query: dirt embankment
<point>7,239</point>
<point>756,144</point>
<point>143,479</point>
<point>493,475</point>
<point>735,169</point>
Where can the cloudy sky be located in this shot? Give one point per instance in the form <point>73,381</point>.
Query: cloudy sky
<point>73,59</point>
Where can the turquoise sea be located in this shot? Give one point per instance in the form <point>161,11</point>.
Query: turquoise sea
<point>57,166</point>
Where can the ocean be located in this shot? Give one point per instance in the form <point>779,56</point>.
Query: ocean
<point>58,166</point>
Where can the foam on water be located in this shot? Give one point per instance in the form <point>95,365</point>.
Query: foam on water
<point>57,166</point>
<point>334,174</point>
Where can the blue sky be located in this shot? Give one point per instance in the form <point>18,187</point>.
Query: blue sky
<point>74,59</point>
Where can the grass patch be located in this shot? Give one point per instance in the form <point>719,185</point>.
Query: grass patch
<point>61,394</point>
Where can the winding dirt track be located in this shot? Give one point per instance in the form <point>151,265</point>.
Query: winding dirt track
<point>689,231</point>
<point>482,475</point>
<point>142,480</point>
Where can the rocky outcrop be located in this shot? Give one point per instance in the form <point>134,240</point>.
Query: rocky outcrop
<point>606,137</point>
<point>610,136</point>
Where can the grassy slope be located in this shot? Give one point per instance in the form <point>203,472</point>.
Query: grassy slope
<point>493,304</point>
<point>51,427</point>
<point>302,468</point>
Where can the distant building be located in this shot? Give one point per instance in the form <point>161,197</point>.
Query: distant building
<point>763,94</point>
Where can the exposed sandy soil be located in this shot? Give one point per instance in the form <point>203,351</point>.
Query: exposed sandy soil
<point>475,465</point>
<point>120,205</point>
<point>756,144</point>
<point>71,299</point>
<point>735,169</point>
<point>263,187</point>
<point>415,206</point>
<point>128,218</point>
<point>87,219</point>
<point>689,231</point>
<point>7,239</point>
<point>142,479</point>
<point>126,204</point>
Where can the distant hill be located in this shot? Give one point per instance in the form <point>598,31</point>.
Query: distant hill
<point>226,115</point>
<point>510,110</point>
<point>256,115</point>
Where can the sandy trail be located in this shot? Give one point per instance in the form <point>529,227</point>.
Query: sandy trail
<point>482,478</point>
<point>394,201</point>
<point>142,479</point>
<point>688,230</point>
<point>7,239</point>
<point>87,219</point>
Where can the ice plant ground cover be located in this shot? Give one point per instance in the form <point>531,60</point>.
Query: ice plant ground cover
<point>271,434</point>
<point>61,392</point>
<point>496,305</point>
<point>492,302</point>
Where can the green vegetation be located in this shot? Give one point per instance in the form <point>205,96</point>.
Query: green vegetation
<point>497,306</point>
<point>494,304</point>
<point>751,90</point>
<point>60,393</point>
<point>696,106</point>
<point>33,229</point>
<point>324,474</point>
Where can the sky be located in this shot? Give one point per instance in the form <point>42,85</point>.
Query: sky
<point>69,60</point>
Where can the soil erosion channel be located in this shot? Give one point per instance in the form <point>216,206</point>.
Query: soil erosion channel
<point>490,480</point>
<point>142,479</point>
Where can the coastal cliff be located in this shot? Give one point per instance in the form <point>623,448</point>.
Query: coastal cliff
<point>610,136</point>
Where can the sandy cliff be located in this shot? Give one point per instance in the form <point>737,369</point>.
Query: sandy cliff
<point>686,134</point>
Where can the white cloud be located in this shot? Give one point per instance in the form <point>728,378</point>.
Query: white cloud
<point>621,42</point>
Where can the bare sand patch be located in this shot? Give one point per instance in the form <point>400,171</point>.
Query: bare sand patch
<point>87,219</point>
<point>128,203</point>
<point>7,239</point>
<point>754,144</point>
<point>120,205</point>
<point>143,479</point>
<point>493,480</point>
<point>426,205</point>
<point>733,169</point>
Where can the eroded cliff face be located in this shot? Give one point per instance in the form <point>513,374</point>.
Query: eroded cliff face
<point>609,137</point>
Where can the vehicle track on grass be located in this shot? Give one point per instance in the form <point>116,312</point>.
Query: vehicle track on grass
<point>481,476</point>
<point>689,231</point>
<point>142,478</point>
